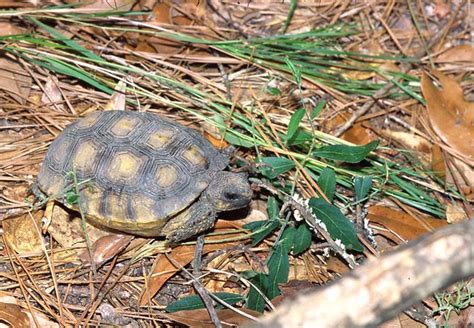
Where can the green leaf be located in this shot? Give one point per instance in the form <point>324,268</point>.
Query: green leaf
<point>194,302</point>
<point>345,153</point>
<point>300,137</point>
<point>255,300</point>
<point>303,240</point>
<point>327,182</point>
<point>261,229</point>
<point>72,197</point>
<point>295,121</point>
<point>338,226</point>
<point>294,70</point>
<point>278,268</point>
<point>362,186</point>
<point>316,111</point>
<point>273,91</point>
<point>236,140</point>
<point>273,209</point>
<point>288,237</point>
<point>279,165</point>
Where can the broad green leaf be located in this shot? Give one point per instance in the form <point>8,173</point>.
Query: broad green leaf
<point>236,140</point>
<point>300,137</point>
<point>248,274</point>
<point>261,229</point>
<point>278,268</point>
<point>318,109</point>
<point>339,227</point>
<point>288,237</point>
<point>303,239</point>
<point>362,186</point>
<point>295,121</point>
<point>194,302</point>
<point>279,165</point>
<point>345,153</point>
<point>255,300</point>
<point>273,209</point>
<point>273,91</point>
<point>327,182</point>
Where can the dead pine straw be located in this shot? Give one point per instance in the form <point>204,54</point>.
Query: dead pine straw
<point>353,119</point>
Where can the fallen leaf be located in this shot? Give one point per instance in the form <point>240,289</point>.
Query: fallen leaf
<point>359,135</point>
<point>402,223</point>
<point>7,28</point>
<point>450,115</point>
<point>15,80</point>
<point>461,53</point>
<point>182,255</point>
<point>13,315</point>
<point>105,248</point>
<point>22,235</point>
<point>52,95</point>
<point>68,232</point>
<point>438,165</point>
<point>402,321</point>
<point>455,213</point>
<point>200,318</point>
<point>461,175</point>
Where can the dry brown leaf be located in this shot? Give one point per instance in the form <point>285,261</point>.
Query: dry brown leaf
<point>461,175</point>
<point>438,165</point>
<point>15,80</point>
<point>163,268</point>
<point>105,248</point>
<point>401,223</point>
<point>22,235</point>
<point>7,28</point>
<point>461,53</point>
<point>358,134</point>
<point>52,94</point>
<point>410,141</point>
<point>13,316</point>
<point>455,213</point>
<point>200,318</point>
<point>450,115</point>
<point>402,321</point>
<point>67,231</point>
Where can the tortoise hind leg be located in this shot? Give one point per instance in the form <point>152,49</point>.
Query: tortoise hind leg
<point>197,218</point>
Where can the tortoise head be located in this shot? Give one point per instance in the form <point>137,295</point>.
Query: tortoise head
<point>229,191</point>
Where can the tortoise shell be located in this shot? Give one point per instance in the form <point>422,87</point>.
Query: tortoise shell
<point>134,170</point>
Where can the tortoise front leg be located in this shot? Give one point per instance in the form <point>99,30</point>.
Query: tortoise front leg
<point>197,218</point>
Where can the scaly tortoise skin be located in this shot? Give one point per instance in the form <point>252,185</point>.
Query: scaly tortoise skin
<point>147,175</point>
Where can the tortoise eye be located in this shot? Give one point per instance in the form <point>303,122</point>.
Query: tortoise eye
<point>231,196</point>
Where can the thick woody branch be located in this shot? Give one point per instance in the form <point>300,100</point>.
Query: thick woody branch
<point>383,287</point>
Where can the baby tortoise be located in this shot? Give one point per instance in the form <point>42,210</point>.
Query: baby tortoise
<point>148,176</point>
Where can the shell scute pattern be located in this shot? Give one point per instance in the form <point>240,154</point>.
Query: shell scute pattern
<point>143,168</point>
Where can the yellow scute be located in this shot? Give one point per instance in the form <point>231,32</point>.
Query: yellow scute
<point>123,166</point>
<point>124,126</point>
<point>159,139</point>
<point>85,156</point>
<point>117,207</point>
<point>166,175</point>
<point>143,209</point>
<point>195,157</point>
<point>88,121</point>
